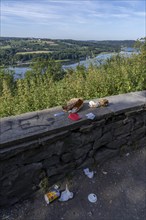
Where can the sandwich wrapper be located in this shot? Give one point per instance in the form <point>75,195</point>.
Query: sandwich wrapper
<point>88,173</point>
<point>66,195</point>
<point>73,105</point>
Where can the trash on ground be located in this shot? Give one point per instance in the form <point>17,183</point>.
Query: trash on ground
<point>92,198</point>
<point>66,195</point>
<point>93,104</point>
<point>88,173</point>
<point>53,194</point>
<point>74,116</point>
<point>104,172</point>
<point>73,105</point>
<point>56,186</point>
<point>103,102</point>
<point>127,154</point>
<point>59,114</point>
<point>90,116</point>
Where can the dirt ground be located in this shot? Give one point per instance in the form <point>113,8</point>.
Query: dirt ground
<point>120,187</point>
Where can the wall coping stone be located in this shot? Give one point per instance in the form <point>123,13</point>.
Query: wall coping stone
<point>43,123</point>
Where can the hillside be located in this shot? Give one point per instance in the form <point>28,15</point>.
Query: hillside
<point>14,51</point>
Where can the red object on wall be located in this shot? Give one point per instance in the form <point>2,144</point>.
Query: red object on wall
<point>74,116</point>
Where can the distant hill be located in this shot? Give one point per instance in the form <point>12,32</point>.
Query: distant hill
<point>14,50</point>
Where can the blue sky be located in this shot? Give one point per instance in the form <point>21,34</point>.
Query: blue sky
<point>74,19</point>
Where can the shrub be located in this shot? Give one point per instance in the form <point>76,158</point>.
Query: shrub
<point>47,85</point>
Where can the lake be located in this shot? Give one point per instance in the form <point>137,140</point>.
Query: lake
<point>99,59</point>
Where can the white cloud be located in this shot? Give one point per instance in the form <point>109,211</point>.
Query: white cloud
<point>51,10</point>
<point>68,14</point>
<point>31,11</point>
<point>141,14</point>
<point>120,15</point>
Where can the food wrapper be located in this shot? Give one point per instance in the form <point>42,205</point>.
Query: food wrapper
<point>103,102</point>
<point>66,195</point>
<point>51,195</point>
<point>73,105</point>
<point>93,104</point>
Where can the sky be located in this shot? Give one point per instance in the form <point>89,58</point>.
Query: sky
<point>74,19</point>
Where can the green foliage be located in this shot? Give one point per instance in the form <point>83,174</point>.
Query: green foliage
<point>8,76</point>
<point>19,51</point>
<point>47,85</point>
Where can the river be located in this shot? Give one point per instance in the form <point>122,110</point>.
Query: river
<point>20,71</point>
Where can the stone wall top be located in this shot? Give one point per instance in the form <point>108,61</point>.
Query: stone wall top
<point>42,123</point>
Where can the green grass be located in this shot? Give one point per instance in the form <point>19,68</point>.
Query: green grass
<point>33,52</point>
<point>5,47</point>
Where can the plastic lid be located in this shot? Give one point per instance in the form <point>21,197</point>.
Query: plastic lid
<point>92,197</point>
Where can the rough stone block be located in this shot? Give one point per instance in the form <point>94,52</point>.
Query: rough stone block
<point>112,126</point>
<point>106,138</point>
<point>57,170</point>
<point>99,123</point>
<point>19,183</point>
<point>67,157</point>
<point>123,129</point>
<point>139,122</point>
<point>117,143</point>
<point>125,102</point>
<point>91,136</point>
<point>87,163</point>
<point>73,141</point>
<point>104,154</point>
<point>82,151</point>
<point>86,128</point>
<point>96,134</point>
<point>138,134</point>
<point>54,160</point>
<point>80,160</point>
<point>141,142</point>
<point>91,152</point>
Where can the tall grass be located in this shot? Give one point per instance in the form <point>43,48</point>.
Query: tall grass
<point>38,91</point>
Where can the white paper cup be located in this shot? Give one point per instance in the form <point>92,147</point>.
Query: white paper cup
<point>92,198</point>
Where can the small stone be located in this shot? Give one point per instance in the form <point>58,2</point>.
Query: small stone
<point>104,172</point>
<point>5,217</point>
<point>90,214</point>
<point>127,154</point>
<point>110,201</point>
<point>93,181</point>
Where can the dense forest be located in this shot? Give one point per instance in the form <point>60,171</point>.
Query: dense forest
<point>19,51</point>
<point>47,84</point>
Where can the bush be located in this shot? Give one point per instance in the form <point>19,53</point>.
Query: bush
<point>47,85</point>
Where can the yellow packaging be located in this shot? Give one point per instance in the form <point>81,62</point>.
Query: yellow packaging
<point>51,195</point>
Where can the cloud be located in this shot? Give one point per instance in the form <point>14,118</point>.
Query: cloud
<point>141,14</point>
<point>30,11</point>
<point>68,14</point>
<point>120,15</point>
<point>53,10</point>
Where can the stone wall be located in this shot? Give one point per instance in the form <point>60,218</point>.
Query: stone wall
<point>37,146</point>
